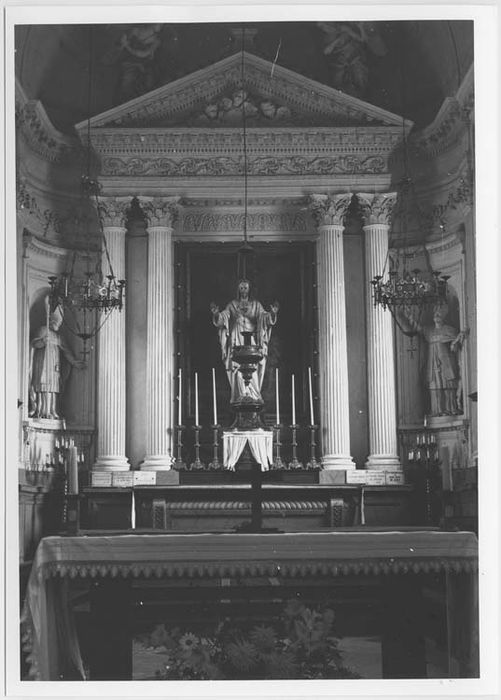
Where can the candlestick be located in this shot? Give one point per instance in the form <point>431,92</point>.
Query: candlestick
<point>425,421</point>
<point>294,463</point>
<point>179,465</point>
<point>215,464</point>
<point>312,421</point>
<point>277,462</point>
<point>179,402</point>
<point>196,398</point>
<point>214,394</point>
<point>313,464</point>
<point>277,399</point>
<point>197,464</point>
<point>293,402</point>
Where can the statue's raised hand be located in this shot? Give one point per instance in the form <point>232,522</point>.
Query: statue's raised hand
<point>274,307</point>
<point>214,308</point>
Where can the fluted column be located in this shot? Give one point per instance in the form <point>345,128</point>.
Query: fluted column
<point>111,414</point>
<point>383,446</point>
<point>329,213</point>
<point>161,215</point>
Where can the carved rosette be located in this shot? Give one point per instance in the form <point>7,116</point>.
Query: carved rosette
<point>377,208</point>
<point>329,210</point>
<point>113,211</point>
<point>160,211</point>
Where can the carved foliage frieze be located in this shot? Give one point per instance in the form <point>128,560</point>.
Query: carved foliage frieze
<point>226,222</point>
<point>261,165</point>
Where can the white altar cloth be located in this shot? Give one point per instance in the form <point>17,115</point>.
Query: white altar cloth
<point>260,442</point>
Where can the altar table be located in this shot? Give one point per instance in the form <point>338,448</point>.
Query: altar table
<point>48,631</point>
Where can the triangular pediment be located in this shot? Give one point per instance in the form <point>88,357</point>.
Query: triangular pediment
<point>273,96</point>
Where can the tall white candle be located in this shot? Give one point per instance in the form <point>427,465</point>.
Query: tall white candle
<point>214,394</point>
<point>73,471</point>
<point>196,398</point>
<point>293,402</point>
<point>277,397</point>
<point>133,510</point>
<point>179,410</point>
<point>312,417</point>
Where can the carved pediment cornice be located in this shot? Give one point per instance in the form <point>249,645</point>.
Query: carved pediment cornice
<point>172,104</point>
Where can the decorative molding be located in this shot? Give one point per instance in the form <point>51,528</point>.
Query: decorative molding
<point>460,198</point>
<point>451,122</point>
<point>32,121</point>
<point>148,142</point>
<point>71,222</point>
<point>377,208</point>
<point>190,94</point>
<point>216,202</point>
<point>329,210</point>
<point>160,211</point>
<point>34,246</point>
<point>280,506</point>
<point>262,165</point>
<point>201,222</point>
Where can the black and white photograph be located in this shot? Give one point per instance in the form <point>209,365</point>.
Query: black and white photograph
<point>251,301</point>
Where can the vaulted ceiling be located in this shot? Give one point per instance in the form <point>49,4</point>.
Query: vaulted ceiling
<point>405,67</point>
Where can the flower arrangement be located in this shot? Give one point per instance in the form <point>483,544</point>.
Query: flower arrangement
<point>300,644</point>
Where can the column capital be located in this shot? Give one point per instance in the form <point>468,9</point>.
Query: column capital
<point>160,211</point>
<point>329,209</point>
<point>113,211</point>
<point>377,208</point>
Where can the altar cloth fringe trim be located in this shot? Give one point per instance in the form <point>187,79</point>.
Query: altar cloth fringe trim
<point>284,569</point>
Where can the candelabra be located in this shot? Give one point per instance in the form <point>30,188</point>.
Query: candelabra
<point>179,465</point>
<point>294,463</point>
<point>313,464</point>
<point>197,465</point>
<point>215,464</point>
<point>424,456</point>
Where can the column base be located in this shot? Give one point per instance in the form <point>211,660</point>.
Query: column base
<point>383,463</point>
<point>338,462</point>
<point>156,463</point>
<point>111,464</point>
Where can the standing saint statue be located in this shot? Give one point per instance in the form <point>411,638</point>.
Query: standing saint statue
<point>47,379</point>
<point>442,366</point>
<point>244,315</point>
